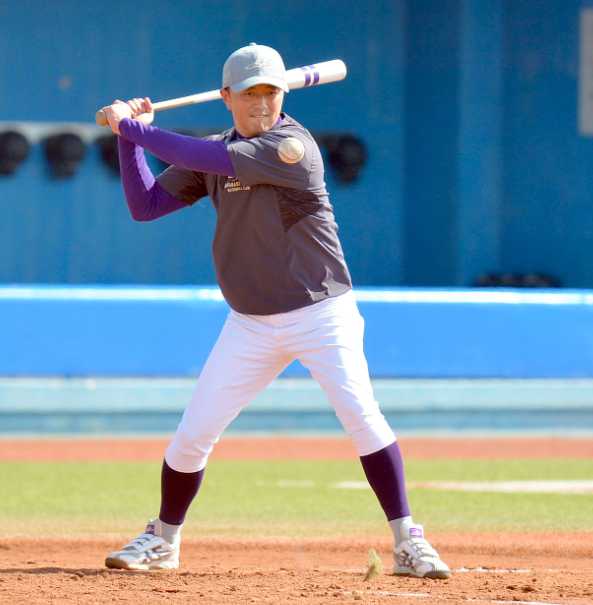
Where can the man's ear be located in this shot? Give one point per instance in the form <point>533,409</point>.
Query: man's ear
<point>224,93</point>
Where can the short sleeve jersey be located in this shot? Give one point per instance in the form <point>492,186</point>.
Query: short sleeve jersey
<point>275,247</point>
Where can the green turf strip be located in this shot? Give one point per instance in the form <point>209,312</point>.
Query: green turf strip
<point>253,499</point>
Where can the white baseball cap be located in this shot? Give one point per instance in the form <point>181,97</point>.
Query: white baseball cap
<point>252,65</point>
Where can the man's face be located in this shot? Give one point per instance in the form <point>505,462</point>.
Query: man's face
<point>255,110</point>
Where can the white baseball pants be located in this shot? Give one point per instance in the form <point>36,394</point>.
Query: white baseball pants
<point>252,350</point>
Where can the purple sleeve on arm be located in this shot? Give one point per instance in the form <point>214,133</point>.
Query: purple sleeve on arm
<point>147,200</point>
<point>187,152</point>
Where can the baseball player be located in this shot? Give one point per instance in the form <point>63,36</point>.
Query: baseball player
<point>280,266</point>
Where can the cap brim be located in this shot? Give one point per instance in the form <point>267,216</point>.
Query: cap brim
<point>249,82</point>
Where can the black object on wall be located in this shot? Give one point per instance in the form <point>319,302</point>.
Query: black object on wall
<point>109,150</point>
<point>513,280</point>
<point>64,153</point>
<point>14,148</point>
<point>346,155</point>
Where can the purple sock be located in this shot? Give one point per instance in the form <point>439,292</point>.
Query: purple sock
<point>177,493</point>
<point>385,472</point>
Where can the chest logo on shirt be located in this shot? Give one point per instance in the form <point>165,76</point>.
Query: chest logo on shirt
<point>234,184</point>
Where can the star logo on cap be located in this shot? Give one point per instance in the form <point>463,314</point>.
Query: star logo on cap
<point>259,61</point>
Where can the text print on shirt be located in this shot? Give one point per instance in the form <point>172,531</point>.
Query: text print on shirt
<point>234,184</point>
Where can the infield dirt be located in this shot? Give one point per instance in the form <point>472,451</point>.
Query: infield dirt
<point>546,568</point>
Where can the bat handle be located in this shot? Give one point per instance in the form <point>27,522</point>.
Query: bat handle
<point>101,118</point>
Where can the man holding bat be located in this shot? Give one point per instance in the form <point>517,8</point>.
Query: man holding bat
<point>280,266</point>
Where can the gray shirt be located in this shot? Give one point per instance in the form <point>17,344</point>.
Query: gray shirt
<point>276,247</point>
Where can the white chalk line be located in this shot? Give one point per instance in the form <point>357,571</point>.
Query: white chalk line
<point>532,487</point>
<point>512,602</point>
<point>388,593</point>
<point>476,570</point>
<point>489,570</point>
<point>514,487</point>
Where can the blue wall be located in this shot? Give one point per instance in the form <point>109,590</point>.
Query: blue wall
<point>548,176</point>
<point>468,109</point>
<point>409,333</point>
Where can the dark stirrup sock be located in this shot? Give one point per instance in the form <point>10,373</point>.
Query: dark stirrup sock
<point>385,473</point>
<point>177,493</point>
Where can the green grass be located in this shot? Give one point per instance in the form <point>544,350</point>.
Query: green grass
<point>242,499</point>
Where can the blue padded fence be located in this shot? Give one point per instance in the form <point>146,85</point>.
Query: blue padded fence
<point>410,333</point>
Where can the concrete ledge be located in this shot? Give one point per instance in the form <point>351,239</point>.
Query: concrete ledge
<point>37,395</point>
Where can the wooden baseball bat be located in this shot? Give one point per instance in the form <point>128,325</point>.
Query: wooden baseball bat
<point>301,77</point>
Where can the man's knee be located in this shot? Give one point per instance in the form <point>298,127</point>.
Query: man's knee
<point>187,454</point>
<point>370,434</point>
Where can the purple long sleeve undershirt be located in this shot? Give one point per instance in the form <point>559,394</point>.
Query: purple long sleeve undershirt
<point>146,199</point>
<point>183,151</point>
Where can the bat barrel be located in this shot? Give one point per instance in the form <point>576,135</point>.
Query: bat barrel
<point>312,75</point>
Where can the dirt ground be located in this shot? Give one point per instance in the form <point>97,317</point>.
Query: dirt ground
<point>487,568</point>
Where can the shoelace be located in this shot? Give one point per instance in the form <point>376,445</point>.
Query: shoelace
<point>422,547</point>
<point>140,541</point>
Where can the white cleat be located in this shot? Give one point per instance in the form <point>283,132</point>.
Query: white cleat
<point>148,551</point>
<point>414,556</point>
